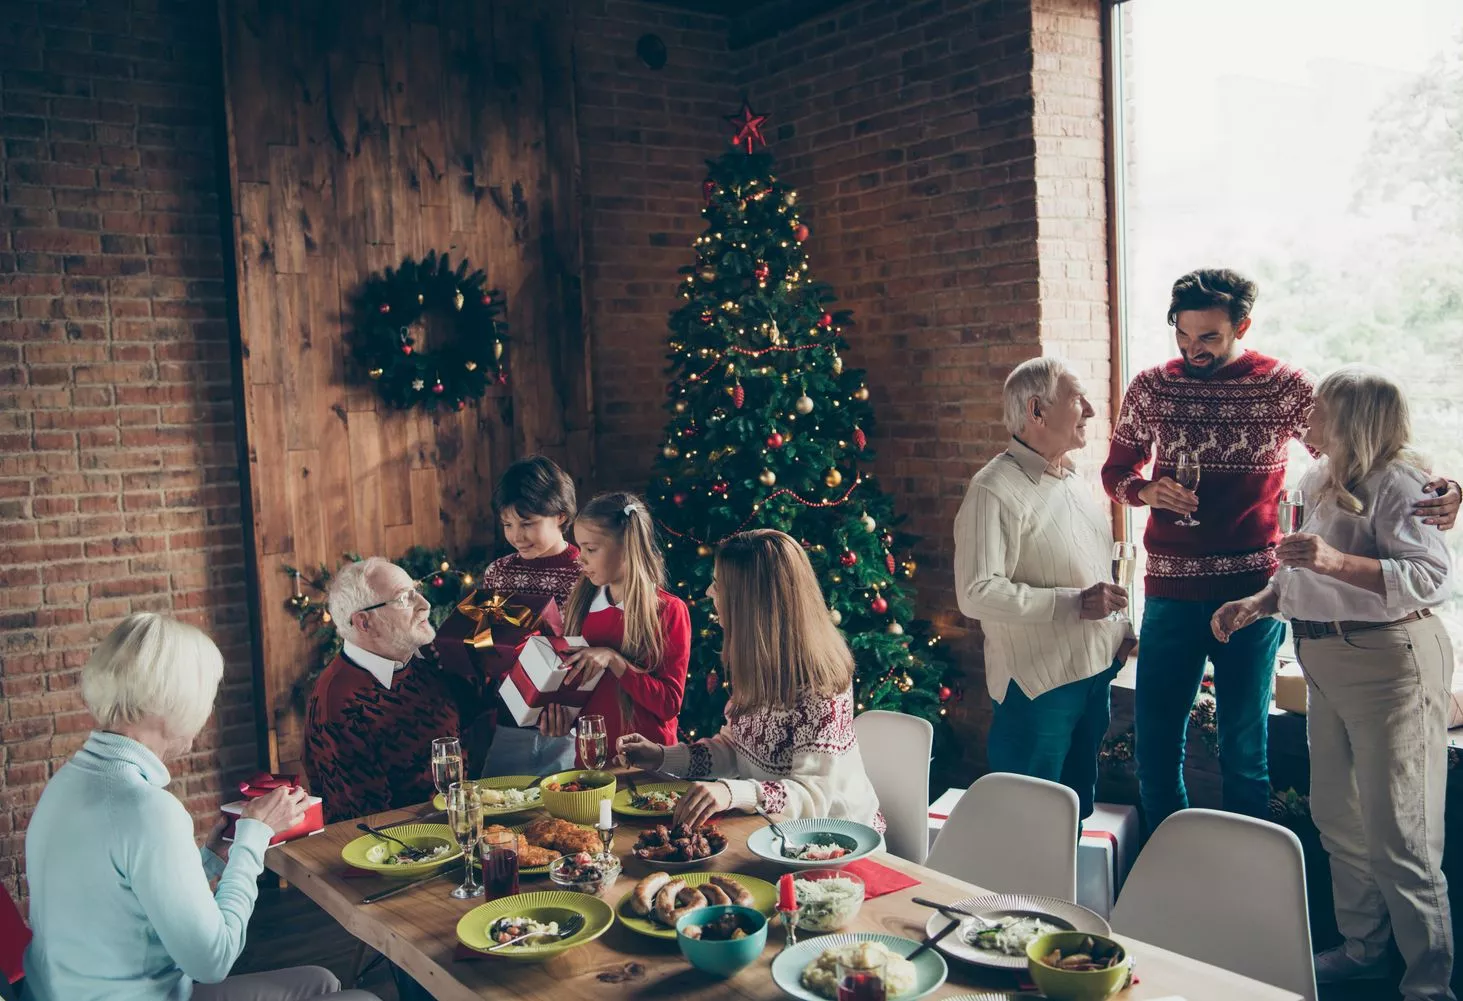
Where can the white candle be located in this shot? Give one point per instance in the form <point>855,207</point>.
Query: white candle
<point>605,823</point>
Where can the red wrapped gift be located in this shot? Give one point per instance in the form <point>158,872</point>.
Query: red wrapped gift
<point>480,640</point>
<point>263,783</point>
<point>537,679</point>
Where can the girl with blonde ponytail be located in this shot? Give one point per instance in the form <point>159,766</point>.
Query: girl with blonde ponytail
<point>639,634</point>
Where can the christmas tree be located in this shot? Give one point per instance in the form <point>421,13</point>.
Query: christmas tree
<point>769,429</point>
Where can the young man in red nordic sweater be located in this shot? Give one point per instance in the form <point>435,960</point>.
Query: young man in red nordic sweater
<point>1236,411</point>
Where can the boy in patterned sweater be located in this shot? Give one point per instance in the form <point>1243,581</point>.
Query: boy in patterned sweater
<point>535,504</point>
<point>1236,411</point>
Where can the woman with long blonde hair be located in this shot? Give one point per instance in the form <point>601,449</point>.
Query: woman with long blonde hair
<point>788,745</point>
<point>639,634</point>
<point>1363,577</point>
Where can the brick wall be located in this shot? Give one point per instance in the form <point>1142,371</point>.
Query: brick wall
<point>644,137</point>
<point>118,462</point>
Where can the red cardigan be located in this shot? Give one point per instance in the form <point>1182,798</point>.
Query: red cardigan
<point>656,695</point>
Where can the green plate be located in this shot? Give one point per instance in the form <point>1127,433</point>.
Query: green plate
<point>537,870</point>
<point>499,782</point>
<point>367,851</point>
<point>622,799</point>
<point>930,969</point>
<point>764,899</point>
<point>548,905</point>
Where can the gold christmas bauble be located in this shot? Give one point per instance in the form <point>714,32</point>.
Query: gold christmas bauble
<point>767,478</point>
<point>497,350</point>
<point>895,629</point>
<point>835,615</point>
<point>862,393</point>
<point>703,550</point>
<point>868,522</point>
<point>774,335</point>
<point>376,373</point>
<point>833,477</point>
<point>670,452</point>
<point>680,406</point>
<point>804,405</point>
<point>910,567</point>
<point>837,365</point>
<point>457,299</point>
<point>421,298</point>
<point>708,274</point>
<point>471,366</point>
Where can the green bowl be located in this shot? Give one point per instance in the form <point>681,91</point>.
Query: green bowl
<point>578,807</point>
<point>1074,985</point>
<point>723,959</point>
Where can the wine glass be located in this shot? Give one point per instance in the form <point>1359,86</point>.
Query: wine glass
<point>446,763</point>
<point>500,863</point>
<point>1186,473</point>
<point>1292,514</point>
<point>465,817</point>
<point>593,741</point>
<point>1124,560</point>
<point>861,976</point>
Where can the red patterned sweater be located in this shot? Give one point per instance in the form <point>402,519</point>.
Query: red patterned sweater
<point>551,575</point>
<point>369,748</point>
<point>1240,422</point>
<point>656,695</point>
<point>802,761</point>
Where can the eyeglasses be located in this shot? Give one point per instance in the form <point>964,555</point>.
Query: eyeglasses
<point>402,599</point>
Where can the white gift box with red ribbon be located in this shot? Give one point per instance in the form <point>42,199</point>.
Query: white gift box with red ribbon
<point>537,679</point>
<point>312,823</point>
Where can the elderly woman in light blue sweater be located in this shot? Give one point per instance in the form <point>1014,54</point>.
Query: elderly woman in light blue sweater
<point>120,904</point>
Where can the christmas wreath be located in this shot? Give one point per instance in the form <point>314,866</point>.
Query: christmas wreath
<point>392,304</point>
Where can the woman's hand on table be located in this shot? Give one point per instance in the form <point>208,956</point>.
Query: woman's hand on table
<point>701,802</point>
<point>634,751</point>
<point>280,808</point>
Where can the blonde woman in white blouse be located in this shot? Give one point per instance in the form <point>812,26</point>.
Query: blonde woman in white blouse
<point>1363,575</point>
<point>788,745</point>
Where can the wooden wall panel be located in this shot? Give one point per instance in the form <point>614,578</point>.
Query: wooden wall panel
<point>361,133</point>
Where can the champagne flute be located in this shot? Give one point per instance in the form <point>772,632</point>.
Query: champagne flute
<point>1186,473</point>
<point>446,763</point>
<point>593,741</point>
<point>1124,560</point>
<point>465,817</point>
<point>1292,514</point>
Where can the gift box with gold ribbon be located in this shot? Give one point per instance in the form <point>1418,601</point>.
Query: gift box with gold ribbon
<point>480,640</point>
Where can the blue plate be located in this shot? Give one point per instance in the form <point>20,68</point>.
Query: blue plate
<point>930,970</point>
<point>862,839</point>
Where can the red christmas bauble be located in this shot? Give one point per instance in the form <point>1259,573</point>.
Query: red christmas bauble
<point>762,271</point>
<point>889,562</point>
<point>713,681</point>
<point>385,307</point>
<point>878,606</point>
<point>678,499</point>
<point>486,300</point>
<point>708,188</point>
<point>800,232</point>
<point>461,405</point>
<point>774,440</point>
<point>406,349</point>
<point>849,558</point>
<point>945,693</point>
<point>860,440</point>
<point>706,318</point>
<point>739,396</point>
<point>826,320</point>
<point>720,487</point>
<point>439,388</point>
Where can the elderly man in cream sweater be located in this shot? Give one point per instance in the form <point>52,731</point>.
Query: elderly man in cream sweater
<point>1033,550</point>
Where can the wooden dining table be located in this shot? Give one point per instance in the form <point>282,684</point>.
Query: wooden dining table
<point>417,930</point>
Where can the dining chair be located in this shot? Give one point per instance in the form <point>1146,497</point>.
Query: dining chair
<point>1244,861</point>
<point>14,937</point>
<point>1012,834</point>
<point>896,751</point>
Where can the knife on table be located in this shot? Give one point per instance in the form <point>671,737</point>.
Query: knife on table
<point>931,940</point>
<point>382,895</point>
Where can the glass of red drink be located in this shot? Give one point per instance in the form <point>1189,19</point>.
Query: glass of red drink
<point>861,978</point>
<point>500,863</point>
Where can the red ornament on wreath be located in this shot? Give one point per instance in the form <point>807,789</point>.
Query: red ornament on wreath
<point>774,440</point>
<point>945,693</point>
<point>849,558</point>
<point>825,321</point>
<point>878,606</point>
<point>800,232</point>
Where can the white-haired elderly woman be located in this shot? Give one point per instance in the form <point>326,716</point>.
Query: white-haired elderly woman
<point>120,904</point>
<point>1362,577</point>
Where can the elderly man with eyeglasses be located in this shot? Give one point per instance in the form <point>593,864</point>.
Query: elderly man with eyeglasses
<point>377,707</point>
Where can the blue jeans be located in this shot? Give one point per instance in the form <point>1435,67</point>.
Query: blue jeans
<point>1173,644</point>
<point>1054,736</point>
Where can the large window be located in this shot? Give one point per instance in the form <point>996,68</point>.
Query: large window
<point>1316,145</point>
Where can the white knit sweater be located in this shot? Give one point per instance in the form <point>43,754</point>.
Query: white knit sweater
<point>802,761</point>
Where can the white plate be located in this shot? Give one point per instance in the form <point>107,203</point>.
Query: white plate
<point>765,845</point>
<point>1063,913</point>
<point>787,969</point>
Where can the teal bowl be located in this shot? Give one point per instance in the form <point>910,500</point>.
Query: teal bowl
<point>723,959</point>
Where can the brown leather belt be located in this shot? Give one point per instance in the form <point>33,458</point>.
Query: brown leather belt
<point>1315,630</point>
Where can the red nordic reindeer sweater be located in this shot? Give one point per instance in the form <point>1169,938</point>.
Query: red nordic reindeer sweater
<point>1240,422</point>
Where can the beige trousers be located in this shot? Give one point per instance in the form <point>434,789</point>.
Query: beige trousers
<point>1377,723</point>
<point>299,983</point>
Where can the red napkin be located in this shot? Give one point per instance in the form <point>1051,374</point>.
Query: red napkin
<point>879,879</point>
